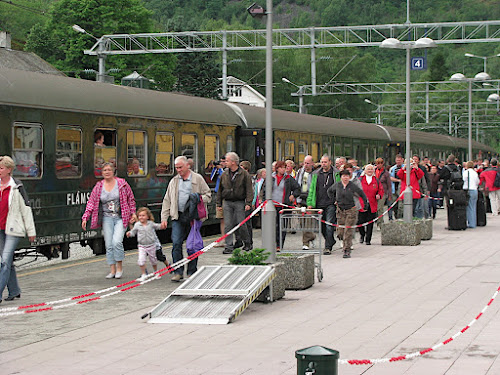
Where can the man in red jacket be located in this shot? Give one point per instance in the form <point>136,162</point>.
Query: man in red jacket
<point>487,177</point>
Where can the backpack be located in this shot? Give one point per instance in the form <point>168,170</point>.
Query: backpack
<point>456,182</point>
<point>496,183</point>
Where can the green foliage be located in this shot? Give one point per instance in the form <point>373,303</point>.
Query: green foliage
<point>198,74</point>
<point>60,45</point>
<point>255,257</point>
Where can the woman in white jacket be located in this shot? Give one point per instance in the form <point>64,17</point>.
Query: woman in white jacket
<point>16,220</point>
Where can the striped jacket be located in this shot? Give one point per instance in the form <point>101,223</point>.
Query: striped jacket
<point>127,203</point>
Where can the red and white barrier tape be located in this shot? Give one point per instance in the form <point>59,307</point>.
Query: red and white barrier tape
<point>355,226</point>
<point>421,352</point>
<point>78,300</point>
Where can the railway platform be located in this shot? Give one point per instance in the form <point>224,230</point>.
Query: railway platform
<point>384,302</point>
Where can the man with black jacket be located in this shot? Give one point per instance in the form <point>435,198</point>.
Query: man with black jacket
<point>234,197</point>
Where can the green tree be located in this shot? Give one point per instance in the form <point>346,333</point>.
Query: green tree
<point>59,44</point>
<point>438,69</point>
<point>198,74</point>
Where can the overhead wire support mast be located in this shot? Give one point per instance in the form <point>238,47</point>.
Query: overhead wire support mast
<point>311,38</point>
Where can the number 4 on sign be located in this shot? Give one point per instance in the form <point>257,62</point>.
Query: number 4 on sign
<point>418,63</point>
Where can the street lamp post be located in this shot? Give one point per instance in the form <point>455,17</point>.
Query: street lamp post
<point>478,77</point>
<point>484,58</point>
<point>301,94</point>
<point>100,76</point>
<point>269,211</point>
<point>379,119</point>
<point>394,43</point>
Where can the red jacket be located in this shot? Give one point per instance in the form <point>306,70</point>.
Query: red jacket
<point>371,190</point>
<point>488,178</point>
<point>415,176</point>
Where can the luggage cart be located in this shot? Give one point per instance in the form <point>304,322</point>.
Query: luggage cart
<point>300,220</point>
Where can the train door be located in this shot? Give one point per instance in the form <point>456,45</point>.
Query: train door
<point>251,147</point>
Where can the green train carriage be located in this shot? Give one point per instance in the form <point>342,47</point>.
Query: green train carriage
<point>49,124</point>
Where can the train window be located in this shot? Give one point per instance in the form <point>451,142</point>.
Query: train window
<point>68,151</point>
<point>27,150</point>
<point>136,153</point>
<point>211,152</point>
<point>164,154</point>
<point>315,151</point>
<point>229,143</point>
<point>338,149</point>
<point>189,148</point>
<point>104,149</point>
<point>302,150</point>
<point>289,150</point>
<point>278,150</point>
<point>326,150</point>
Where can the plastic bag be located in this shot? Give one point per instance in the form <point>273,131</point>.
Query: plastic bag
<point>194,241</point>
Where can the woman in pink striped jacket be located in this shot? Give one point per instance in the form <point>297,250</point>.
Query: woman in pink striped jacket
<point>111,203</point>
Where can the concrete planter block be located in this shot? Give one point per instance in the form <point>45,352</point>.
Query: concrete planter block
<point>399,233</point>
<point>279,284</point>
<point>426,229</point>
<point>299,270</point>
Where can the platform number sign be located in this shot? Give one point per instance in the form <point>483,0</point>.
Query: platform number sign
<point>418,63</point>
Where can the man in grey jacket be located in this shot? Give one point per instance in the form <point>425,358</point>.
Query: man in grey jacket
<point>174,206</point>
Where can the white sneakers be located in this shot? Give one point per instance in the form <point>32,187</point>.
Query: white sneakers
<point>110,276</point>
<point>143,277</point>
<point>118,275</point>
<point>305,247</point>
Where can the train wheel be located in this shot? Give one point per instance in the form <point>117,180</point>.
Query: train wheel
<point>64,247</point>
<point>45,250</point>
<point>97,246</point>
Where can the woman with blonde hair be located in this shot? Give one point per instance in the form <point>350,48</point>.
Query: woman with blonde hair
<point>113,198</point>
<point>16,220</point>
<point>471,183</point>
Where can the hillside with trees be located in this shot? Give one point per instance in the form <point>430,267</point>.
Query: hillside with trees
<point>45,28</point>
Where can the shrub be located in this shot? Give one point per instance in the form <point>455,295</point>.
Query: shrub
<point>255,257</point>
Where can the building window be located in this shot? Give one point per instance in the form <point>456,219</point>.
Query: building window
<point>164,154</point>
<point>104,149</point>
<point>27,150</point>
<point>68,151</point>
<point>290,150</point>
<point>211,152</point>
<point>136,153</point>
<point>189,149</point>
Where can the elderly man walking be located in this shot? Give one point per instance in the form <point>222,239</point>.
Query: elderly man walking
<point>234,197</point>
<point>304,178</point>
<point>175,206</point>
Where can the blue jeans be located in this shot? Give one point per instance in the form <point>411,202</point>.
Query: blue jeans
<point>113,231</point>
<point>180,231</point>
<point>328,231</point>
<point>472,209</point>
<point>8,277</point>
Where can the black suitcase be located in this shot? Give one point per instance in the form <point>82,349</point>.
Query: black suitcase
<point>457,197</point>
<point>481,209</point>
<point>457,217</point>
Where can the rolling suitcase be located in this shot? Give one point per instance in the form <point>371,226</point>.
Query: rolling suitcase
<point>457,218</point>
<point>481,209</point>
<point>457,197</point>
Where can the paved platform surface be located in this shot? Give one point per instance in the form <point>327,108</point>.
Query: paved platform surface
<point>383,302</point>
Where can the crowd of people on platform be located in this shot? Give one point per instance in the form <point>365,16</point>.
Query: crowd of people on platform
<point>345,194</point>
<point>349,195</point>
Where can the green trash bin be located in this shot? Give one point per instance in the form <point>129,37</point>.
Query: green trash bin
<point>317,360</point>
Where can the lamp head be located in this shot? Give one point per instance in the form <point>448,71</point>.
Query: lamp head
<point>78,29</point>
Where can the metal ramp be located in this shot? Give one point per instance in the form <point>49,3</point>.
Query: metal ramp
<point>213,295</point>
